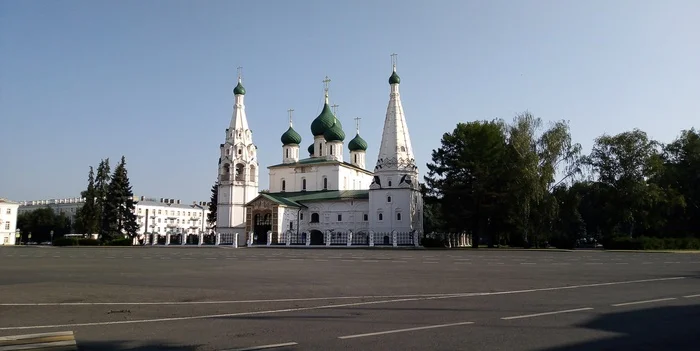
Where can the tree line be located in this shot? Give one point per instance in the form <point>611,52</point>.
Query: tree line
<point>528,184</point>
<point>109,204</point>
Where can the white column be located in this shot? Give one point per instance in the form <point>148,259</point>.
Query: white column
<point>183,238</point>
<point>235,240</point>
<point>394,238</point>
<point>269,237</point>
<point>289,238</point>
<point>155,239</point>
<point>167,239</point>
<point>416,238</point>
<point>371,238</point>
<point>328,238</point>
<point>201,239</point>
<point>308,239</point>
<point>250,239</point>
<point>218,239</point>
<point>349,237</point>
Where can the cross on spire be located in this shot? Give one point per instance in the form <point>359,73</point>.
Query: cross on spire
<point>326,83</point>
<point>240,72</point>
<point>357,124</point>
<point>393,61</point>
<point>335,109</point>
<point>290,116</point>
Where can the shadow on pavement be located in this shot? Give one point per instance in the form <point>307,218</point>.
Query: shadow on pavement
<point>133,346</point>
<point>662,328</point>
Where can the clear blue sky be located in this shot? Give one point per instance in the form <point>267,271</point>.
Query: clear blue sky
<point>152,80</point>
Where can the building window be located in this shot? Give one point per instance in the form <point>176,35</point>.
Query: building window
<point>284,185</point>
<point>9,211</point>
<point>398,216</point>
<point>301,215</point>
<point>291,225</point>
<point>325,183</point>
<point>388,199</point>
<point>355,158</point>
<point>320,150</point>
<point>381,217</point>
<point>252,173</point>
<point>303,183</point>
<point>178,213</point>
<point>314,218</point>
<point>7,225</point>
<point>389,182</point>
<point>240,151</point>
<point>158,211</point>
<point>330,149</point>
<point>139,210</point>
<point>340,218</point>
<point>365,217</point>
<point>159,218</point>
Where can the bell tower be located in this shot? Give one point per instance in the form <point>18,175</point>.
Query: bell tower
<point>238,169</point>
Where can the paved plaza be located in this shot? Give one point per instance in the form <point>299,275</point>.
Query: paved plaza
<point>219,298</point>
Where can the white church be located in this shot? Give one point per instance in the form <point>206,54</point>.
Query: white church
<point>322,199</point>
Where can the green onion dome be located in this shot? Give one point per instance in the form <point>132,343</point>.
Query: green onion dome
<point>357,144</point>
<point>394,79</point>
<point>239,89</point>
<point>324,121</point>
<point>291,137</point>
<point>311,149</point>
<point>335,133</point>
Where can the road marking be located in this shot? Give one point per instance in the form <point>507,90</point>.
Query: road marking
<point>399,261</point>
<point>547,313</point>
<point>641,302</point>
<point>691,296</point>
<point>621,263</point>
<point>561,264</point>
<point>404,330</point>
<point>593,263</point>
<point>320,260</point>
<point>264,347</point>
<point>370,261</point>
<point>527,263</point>
<point>44,341</point>
<point>430,262</point>
<point>419,297</point>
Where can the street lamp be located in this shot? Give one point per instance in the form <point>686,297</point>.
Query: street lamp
<point>18,234</point>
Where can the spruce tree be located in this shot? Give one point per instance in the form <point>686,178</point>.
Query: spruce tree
<point>119,205</point>
<point>87,220</point>
<point>101,186</point>
<point>211,216</point>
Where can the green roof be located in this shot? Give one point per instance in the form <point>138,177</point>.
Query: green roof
<point>325,120</point>
<point>291,137</point>
<point>334,133</point>
<point>394,79</point>
<point>357,144</point>
<point>239,89</point>
<point>295,199</point>
<point>310,149</point>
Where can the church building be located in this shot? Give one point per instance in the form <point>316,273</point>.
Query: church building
<point>322,199</point>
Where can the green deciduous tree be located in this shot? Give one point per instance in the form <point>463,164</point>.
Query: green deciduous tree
<point>41,222</point>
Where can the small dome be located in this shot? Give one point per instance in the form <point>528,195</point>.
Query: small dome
<point>239,89</point>
<point>291,137</point>
<point>335,133</point>
<point>324,121</point>
<point>311,149</point>
<point>357,144</point>
<point>394,79</point>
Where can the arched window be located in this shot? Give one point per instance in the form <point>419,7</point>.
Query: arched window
<point>388,199</point>
<point>284,185</point>
<point>320,150</point>
<point>398,216</point>
<point>252,173</point>
<point>227,172</point>
<point>381,216</point>
<point>287,150</point>
<point>303,183</point>
<point>240,172</point>
<point>330,149</point>
<point>355,158</point>
<point>314,218</point>
<point>325,183</point>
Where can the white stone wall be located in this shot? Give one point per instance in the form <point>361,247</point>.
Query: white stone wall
<point>396,209</point>
<point>351,211</point>
<point>8,222</point>
<point>340,177</point>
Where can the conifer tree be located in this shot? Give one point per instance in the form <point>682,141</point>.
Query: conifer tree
<point>211,216</point>
<point>101,186</point>
<point>119,217</point>
<point>87,220</point>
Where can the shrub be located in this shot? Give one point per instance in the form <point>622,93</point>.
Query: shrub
<point>65,242</point>
<point>88,242</point>
<point>121,242</point>
<point>649,243</point>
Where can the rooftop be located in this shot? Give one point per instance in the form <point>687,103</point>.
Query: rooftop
<point>296,199</point>
<point>318,161</point>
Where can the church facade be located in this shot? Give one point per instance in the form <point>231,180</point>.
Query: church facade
<point>322,199</point>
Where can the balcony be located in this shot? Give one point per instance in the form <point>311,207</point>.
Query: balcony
<point>171,225</point>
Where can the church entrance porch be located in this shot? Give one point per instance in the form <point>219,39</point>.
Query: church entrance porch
<point>262,223</point>
<point>316,237</point>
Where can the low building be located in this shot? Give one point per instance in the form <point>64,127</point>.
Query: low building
<point>8,221</point>
<point>154,216</point>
